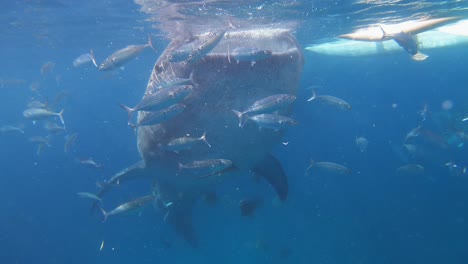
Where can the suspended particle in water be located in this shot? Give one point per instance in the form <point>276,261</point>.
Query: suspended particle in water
<point>447,105</point>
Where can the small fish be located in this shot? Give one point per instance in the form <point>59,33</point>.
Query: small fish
<point>413,133</point>
<point>410,149</point>
<point>330,100</point>
<point>102,246</point>
<point>47,67</point>
<point>249,206</point>
<point>211,40</point>
<point>120,57</point>
<point>40,140</point>
<point>362,143</point>
<point>465,119</point>
<point>60,96</point>
<point>161,99</point>
<point>36,104</point>
<point>11,82</point>
<point>53,128</point>
<point>9,128</point>
<point>85,59</point>
<point>184,143</point>
<point>272,121</point>
<point>407,42</point>
<point>152,118</point>
<point>249,54</point>
<point>174,82</point>
<point>181,53</point>
<point>268,104</point>
<point>414,169</point>
<point>89,196</point>
<point>329,166</point>
<point>41,113</point>
<point>128,206</point>
<point>40,149</point>
<point>34,86</point>
<point>91,163</point>
<point>69,142</point>
<point>423,113</point>
<point>205,168</point>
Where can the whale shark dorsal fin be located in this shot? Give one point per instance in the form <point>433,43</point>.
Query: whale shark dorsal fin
<point>270,169</point>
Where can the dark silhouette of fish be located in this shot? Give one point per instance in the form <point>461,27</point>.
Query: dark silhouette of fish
<point>249,206</point>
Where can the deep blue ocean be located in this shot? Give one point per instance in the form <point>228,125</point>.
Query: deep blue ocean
<point>376,214</point>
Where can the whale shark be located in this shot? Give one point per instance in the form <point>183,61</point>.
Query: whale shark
<point>371,41</point>
<point>219,86</point>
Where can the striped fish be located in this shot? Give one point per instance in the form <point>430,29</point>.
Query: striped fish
<point>161,99</point>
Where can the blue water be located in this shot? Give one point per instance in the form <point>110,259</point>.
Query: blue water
<point>373,215</point>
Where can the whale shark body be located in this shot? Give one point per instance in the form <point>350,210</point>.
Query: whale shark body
<point>219,86</point>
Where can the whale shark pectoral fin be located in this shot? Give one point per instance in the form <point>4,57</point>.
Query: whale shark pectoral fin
<point>270,169</point>
<point>181,219</point>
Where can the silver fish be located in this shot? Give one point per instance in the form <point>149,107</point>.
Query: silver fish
<point>85,59</point>
<point>40,140</point>
<point>205,168</point>
<point>413,133</point>
<point>128,206</point>
<point>9,128</point>
<point>91,163</point>
<point>249,54</point>
<point>181,53</point>
<point>174,82</point>
<point>208,44</point>
<point>184,143</point>
<point>41,113</point>
<point>53,128</point>
<point>414,169</point>
<point>11,82</point>
<point>329,166</point>
<point>272,121</point>
<point>36,104</point>
<point>124,55</point>
<point>152,118</point>
<point>69,142</point>
<point>47,67</point>
<point>330,100</point>
<point>266,105</point>
<point>161,99</point>
<point>89,195</point>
